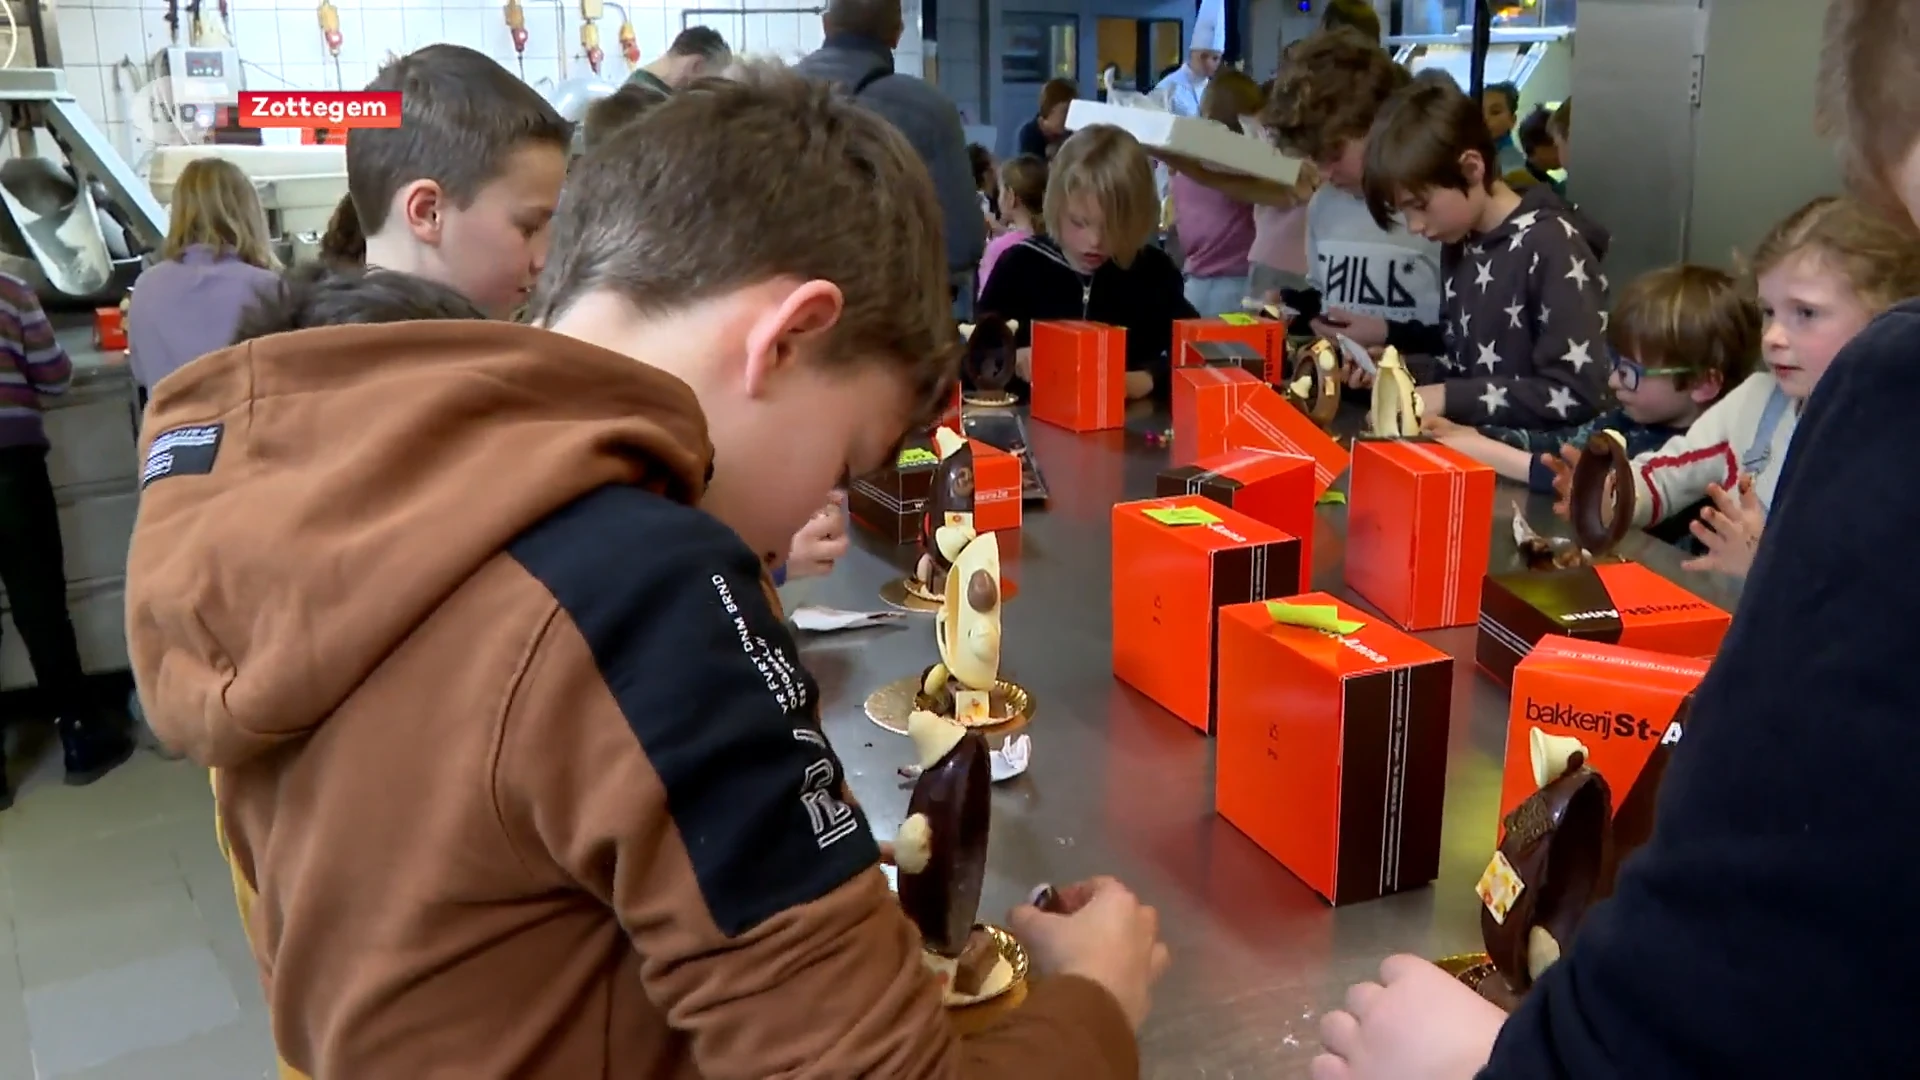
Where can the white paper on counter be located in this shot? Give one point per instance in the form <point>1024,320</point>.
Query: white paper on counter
<point>826,620</point>
<point>1011,759</point>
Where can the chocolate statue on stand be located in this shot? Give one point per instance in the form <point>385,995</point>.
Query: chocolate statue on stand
<point>1313,384</point>
<point>1395,413</point>
<point>947,525</point>
<point>941,853</point>
<point>965,682</point>
<point>1600,500</point>
<point>989,364</point>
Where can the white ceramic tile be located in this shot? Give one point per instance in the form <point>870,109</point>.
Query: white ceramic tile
<point>242,1050</point>
<point>421,27</point>
<point>257,36</point>
<point>84,83</point>
<point>103,933</point>
<point>118,4</point>
<point>380,31</point>
<point>77,44</point>
<point>300,39</point>
<point>160,1001</point>
<point>463,26</point>
<point>43,879</point>
<point>157,35</point>
<point>120,35</point>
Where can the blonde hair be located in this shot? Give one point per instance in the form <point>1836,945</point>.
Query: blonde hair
<point>214,205</point>
<point>1879,258</point>
<point>1107,165</point>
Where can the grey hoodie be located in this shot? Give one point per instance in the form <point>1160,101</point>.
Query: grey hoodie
<point>928,120</point>
<point>1523,308</point>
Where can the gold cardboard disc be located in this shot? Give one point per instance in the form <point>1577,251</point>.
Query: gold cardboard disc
<point>1012,706</point>
<point>905,594</point>
<point>1011,951</point>
<point>1471,969</point>
<point>990,399</point>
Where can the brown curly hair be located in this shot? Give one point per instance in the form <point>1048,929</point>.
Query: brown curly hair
<point>344,245</point>
<point>1333,85</point>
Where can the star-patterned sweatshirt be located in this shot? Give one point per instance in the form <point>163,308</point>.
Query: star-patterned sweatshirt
<point>1524,312</point>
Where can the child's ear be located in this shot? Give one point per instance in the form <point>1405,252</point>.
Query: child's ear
<point>422,205</point>
<point>1706,388</point>
<point>798,321</point>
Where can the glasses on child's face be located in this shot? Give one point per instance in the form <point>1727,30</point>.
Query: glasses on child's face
<point>1632,371</point>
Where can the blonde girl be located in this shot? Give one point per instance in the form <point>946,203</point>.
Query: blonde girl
<point>216,261</point>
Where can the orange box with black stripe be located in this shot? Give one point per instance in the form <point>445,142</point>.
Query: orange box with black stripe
<point>1266,335</point>
<point>1079,375</point>
<point>1625,708</point>
<point>1419,531</point>
<point>1267,422</point>
<point>1176,562</point>
<point>1616,603</point>
<point>1331,752</point>
<point>1265,486</point>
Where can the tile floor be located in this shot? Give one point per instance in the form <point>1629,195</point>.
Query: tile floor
<point>121,955</point>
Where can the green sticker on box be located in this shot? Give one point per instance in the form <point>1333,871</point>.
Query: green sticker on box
<point>1331,498</point>
<point>1313,617</point>
<point>1235,318</point>
<point>1181,515</point>
<point>917,456</point>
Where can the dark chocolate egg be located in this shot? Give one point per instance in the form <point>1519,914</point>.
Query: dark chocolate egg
<point>991,348</point>
<point>955,795</point>
<point>982,591</point>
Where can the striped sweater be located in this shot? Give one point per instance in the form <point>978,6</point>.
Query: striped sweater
<point>32,364</point>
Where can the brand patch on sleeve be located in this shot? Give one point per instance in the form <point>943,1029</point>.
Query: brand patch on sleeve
<point>183,451</point>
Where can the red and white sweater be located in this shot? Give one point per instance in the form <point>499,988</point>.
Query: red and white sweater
<point>1674,477</point>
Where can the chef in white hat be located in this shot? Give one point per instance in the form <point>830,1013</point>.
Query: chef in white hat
<point>1180,92</point>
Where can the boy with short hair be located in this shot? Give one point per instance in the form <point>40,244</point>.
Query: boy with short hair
<point>615,110</point>
<point>462,191</point>
<point>1542,154</point>
<point>1500,104</point>
<point>1525,300</point>
<point>436,599</point>
<point>1379,283</point>
<point>1681,337</point>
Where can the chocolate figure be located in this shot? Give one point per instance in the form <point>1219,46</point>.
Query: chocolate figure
<point>947,526</point>
<point>962,685</point>
<point>1600,501</point>
<point>941,853</point>
<point>1396,408</point>
<point>989,362</point>
<point>1313,386</point>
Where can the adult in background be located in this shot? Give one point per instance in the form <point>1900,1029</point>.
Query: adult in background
<point>1043,134</point>
<point>858,54</point>
<point>698,51</point>
<point>1180,91</point>
<point>1358,14</point>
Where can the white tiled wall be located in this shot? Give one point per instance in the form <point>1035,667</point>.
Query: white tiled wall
<point>280,43</point>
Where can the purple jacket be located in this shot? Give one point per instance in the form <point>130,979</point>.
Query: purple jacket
<point>188,307</point>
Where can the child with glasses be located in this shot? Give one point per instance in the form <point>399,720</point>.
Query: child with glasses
<point>1681,338</point>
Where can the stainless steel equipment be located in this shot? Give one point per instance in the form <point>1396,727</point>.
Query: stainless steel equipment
<point>1538,61</point>
<point>1695,127</point>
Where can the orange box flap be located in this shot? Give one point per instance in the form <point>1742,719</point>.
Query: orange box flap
<point>1267,422</point>
<point>1377,646</point>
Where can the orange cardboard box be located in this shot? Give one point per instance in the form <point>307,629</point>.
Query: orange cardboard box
<point>1273,488</point>
<point>1419,531</point>
<point>950,416</point>
<point>996,488</point>
<point>1623,705</point>
<point>1168,583</point>
<point>1231,354</point>
<point>1620,603</point>
<point>1267,335</point>
<point>1205,400</point>
<point>891,500</point>
<point>109,328</point>
<point>1079,375</point>
<point>1267,422</point>
<point>1332,749</point>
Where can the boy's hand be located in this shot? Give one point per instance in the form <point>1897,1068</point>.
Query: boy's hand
<point>1109,937</point>
<point>1365,330</point>
<point>1416,1023</point>
<point>821,542</point>
<point>1730,529</point>
<point>1562,465</point>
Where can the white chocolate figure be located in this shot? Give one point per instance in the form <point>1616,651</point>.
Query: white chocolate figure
<point>1396,408</point>
<point>968,634</point>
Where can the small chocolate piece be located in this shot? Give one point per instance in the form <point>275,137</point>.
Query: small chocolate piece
<point>977,961</point>
<point>982,591</point>
<point>1597,525</point>
<point>940,700</point>
<point>955,795</point>
<point>1047,899</point>
<point>1559,843</point>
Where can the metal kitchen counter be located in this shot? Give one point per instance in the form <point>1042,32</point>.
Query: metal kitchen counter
<point>1119,786</point>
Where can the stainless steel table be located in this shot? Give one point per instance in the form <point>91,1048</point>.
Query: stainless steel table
<point>1118,786</point>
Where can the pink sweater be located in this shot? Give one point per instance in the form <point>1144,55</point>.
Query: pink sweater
<point>995,248</point>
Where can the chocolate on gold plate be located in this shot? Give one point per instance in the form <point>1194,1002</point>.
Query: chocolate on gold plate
<point>1010,705</point>
<point>1313,385</point>
<point>1550,868</point>
<point>941,849</point>
<point>988,365</point>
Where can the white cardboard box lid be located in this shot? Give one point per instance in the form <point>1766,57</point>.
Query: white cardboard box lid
<point>1192,137</point>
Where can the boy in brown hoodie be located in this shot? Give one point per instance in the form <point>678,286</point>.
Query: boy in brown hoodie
<point>513,748</point>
